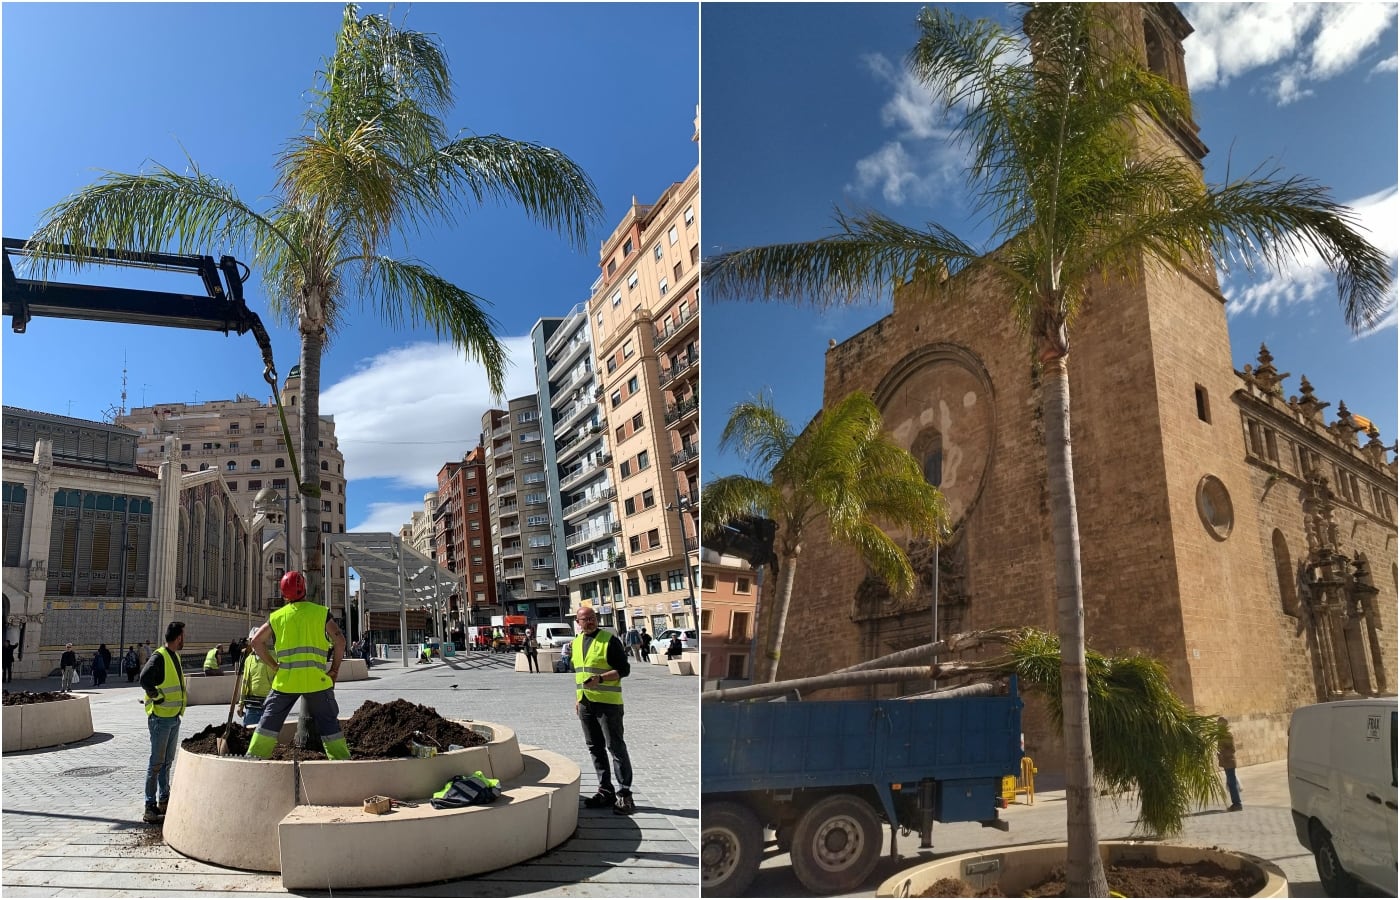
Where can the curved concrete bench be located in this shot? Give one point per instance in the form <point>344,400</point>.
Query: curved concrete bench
<point>680,667</point>
<point>33,725</point>
<point>206,690</point>
<point>267,792</point>
<point>339,847</point>
<point>352,670</point>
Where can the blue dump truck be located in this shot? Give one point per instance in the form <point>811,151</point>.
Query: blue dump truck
<point>827,775</point>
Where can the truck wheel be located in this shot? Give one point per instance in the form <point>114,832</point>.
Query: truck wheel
<point>731,842</point>
<point>1335,880</point>
<point>836,844</point>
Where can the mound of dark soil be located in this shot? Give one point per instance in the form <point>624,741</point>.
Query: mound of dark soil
<point>1142,878</point>
<point>375,731</point>
<point>21,698</point>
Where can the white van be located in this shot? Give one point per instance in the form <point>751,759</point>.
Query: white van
<point>1341,781</point>
<point>553,634</point>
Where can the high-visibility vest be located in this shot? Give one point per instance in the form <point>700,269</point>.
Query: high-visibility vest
<point>211,659</point>
<point>170,699</point>
<point>257,679</point>
<point>301,648</point>
<point>595,663</point>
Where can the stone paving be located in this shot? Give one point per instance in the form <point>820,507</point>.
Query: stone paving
<point>71,815</point>
<point>1263,828</point>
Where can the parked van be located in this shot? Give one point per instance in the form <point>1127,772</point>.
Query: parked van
<point>1341,782</point>
<point>553,634</point>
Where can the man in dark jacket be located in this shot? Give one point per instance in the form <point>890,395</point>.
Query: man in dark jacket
<point>164,684</point>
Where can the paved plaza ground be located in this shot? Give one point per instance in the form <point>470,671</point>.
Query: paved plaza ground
<point>72,815</point>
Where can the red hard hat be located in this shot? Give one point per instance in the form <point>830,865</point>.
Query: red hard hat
<point>293,586</point>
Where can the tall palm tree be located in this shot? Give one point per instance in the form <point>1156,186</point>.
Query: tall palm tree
<point>842,468</point>
<point>1074,191</point>
<point>375,161</point>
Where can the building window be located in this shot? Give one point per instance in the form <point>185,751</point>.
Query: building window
<point>643,461</point>
<point>255,484</point>
<point>231,466</point>
<point>739,626</point>
<point>280,464</point>
<point>326,527</point>
<point>633,587</point>
<point>1283,567</point>
<point>615,399</point>
<point>632,385</point>
<point>707,582</point>
<point>635,543</point>
<point>653,539</point>
<point>741,585</point>
<point>694,254</point>
<point>689,215</point>
<point>625,469</point>
<point>629,505</point>
<point>705,620</point>
<point>233,487</point>
<point>675,579</point>
<point>255,465</point>
<point>325,466</point>
<point>612,364</point>
<point>676,272</point>
<point>1202,404</point>
<point>325,506</point>
<point>632,281</point>
<point>617,298</point>
<point>627,248</point>
<point>233,427</point>
<point>673,235</point>
<point>476,542</point>
<point>627,349</point>
<point>612,267</point>
<point>1216,510</point>
<point>654,583</point>
<point>662,287</point>
<point>637,423</point>
<point>648,498</point>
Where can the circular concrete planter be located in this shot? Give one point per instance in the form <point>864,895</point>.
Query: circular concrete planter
<point>34,725</point>
<point>1013,869</point>
<point>266,792</point>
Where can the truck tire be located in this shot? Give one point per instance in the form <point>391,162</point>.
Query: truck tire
<point>731,844</point>
<point>836,844</point>
<point>1335,880</point>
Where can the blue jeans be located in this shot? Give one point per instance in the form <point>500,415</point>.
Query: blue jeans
<point>1232,784</point>
<point>165,743</point>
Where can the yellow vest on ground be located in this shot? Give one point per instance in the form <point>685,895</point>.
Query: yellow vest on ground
<point>301,648</point>
<point>595,663</point>
<point>170,702</point>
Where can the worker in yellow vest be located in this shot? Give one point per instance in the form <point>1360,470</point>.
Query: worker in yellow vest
<point>211,661</point>
<point>164,684</point>
<point>253,686</point>
<point>600,664</point>
<point>295,643</point>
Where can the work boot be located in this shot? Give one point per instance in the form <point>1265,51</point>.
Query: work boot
<point>163,805</point>
<point>152,815</point>
<point>600,800</point>
<point>624,806</point>
<point>1234,807</point>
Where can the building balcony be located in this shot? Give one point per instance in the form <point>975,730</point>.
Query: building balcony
<point>500,431</point>
<point>593,533</point>
<point>684,455</point>
<point>588,503</point>
<point>587,439</point>
<point>510,529</point>
<point>569,353</point>
<point>590,568</point>
<point>504,470</point>
<point>505,490</point>
<point>577,477</point>
<point>516,572</point>
<point>570,416</point>
<point>677,411</point>
<point>672,329</point>
<point>685,362</point>
<point>576,317</point>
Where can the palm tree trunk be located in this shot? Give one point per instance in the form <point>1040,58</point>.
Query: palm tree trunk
<point>833,680</point>
<point>784,598</point>
<point>1083,869</point>
<point>310,452</point>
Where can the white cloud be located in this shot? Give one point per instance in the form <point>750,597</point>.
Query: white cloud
<point>1386,65</point>
<point>1302,42</point>
<point>923,164</point>
<point>390,517</point>
<point>1306,278</point>
<point>408,410</point>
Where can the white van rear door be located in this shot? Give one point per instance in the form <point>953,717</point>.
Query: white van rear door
<point>1367,784</point>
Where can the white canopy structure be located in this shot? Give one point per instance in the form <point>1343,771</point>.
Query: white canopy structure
<point>394,576</point>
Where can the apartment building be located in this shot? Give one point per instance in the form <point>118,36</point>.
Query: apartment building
<point>462,532</point>
<point>417,532</point>
<point>646,338</point>
<point>730,593</point>
<point>577,456</point>
<point>242,439</point>
<point>517,498</point>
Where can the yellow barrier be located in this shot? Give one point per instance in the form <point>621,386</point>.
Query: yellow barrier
<point>1027,785</point>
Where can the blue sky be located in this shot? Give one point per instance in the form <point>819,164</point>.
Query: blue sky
<point>809,108</point>
<point>90,87</point>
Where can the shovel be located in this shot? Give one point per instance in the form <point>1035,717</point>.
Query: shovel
<point>222,744</point>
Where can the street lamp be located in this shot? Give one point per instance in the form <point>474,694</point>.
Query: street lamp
<point>681,505</point>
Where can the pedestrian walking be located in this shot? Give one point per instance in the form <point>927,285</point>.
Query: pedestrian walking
<point>1226,756</point>
<point>106,655</point>
<point>634,644</point>
<point>644,641</point>
<point>294,644</point>
<point>99,670</point>
<point>69,664</point>
<point>9,660</point>
<point>131,664</point>
<point>600,664</point>
<point>164,683</point>
<point>532,653</point>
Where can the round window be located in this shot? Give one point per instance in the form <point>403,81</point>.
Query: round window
<point>1213,503</point>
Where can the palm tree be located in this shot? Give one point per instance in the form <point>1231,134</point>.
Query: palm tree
<point>376,160</point>
<point>842,468</point>
<point>1064,169</point>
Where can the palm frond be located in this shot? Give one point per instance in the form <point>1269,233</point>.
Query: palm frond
<point>157,211</point>
<point>405,291</point>
<point>758,432</point>
<point>735,497</point>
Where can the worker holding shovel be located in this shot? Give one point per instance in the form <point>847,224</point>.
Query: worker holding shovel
<point>294,644</point>
<point>253,687</point>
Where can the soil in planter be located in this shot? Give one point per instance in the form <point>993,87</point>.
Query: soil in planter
<point>375,731</point>
<point>22,698</point>
<point>1143,878</point>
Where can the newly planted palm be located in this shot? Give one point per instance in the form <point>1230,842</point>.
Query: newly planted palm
<point>842,468</point>
<point>1065,169</point>
<point>375,162</point>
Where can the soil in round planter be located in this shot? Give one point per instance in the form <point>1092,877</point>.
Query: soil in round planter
<point>23,698</point>
<point>375,731</point>
<point>1142,878</point>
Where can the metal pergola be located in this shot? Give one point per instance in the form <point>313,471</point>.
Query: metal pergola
<point>394,576</point>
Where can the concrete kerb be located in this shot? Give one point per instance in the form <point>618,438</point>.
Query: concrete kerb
<point>32,726</point>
